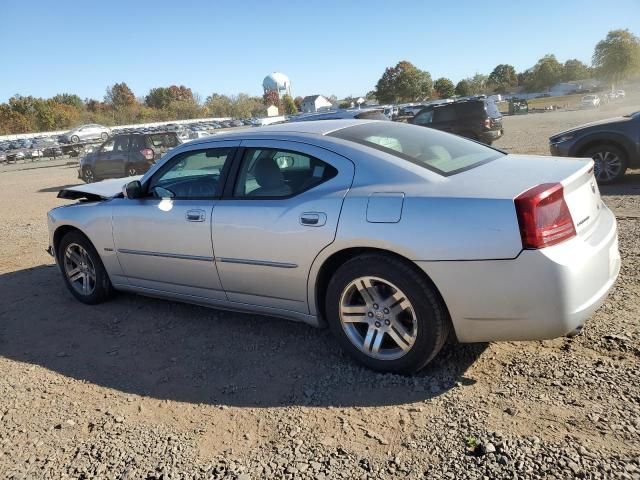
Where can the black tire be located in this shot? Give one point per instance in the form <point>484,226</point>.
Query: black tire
<point>75,139</point>
<point>103,290</point>
<point>88,175</point>
<point>601,151</point>
<point>432,316</point>
<point>130,171</point>
<point>104,136</point>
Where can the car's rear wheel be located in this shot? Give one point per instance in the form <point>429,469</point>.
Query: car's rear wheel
<point>386,314</point>
<point>104,135</point>
<point>87,175</point>
<point>82,270</point>
<point>75,139</point>
<point>610,163</point>
<point>131,171</point>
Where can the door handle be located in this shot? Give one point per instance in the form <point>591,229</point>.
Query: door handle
<point>195,215</point>
<point>313,219</point>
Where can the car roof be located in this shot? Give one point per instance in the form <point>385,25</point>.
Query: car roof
<point>320,127</point>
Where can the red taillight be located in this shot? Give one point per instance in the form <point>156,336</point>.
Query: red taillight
<point>147,153</point>
<point>487,123</point>
<point>543,216</point>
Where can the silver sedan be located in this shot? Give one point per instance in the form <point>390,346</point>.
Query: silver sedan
<point>394,236</point>
<point>92,131</point>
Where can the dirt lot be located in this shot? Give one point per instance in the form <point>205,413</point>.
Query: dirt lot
<point>142,388</point>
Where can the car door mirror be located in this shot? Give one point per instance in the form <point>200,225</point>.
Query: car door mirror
<point>133,189</point>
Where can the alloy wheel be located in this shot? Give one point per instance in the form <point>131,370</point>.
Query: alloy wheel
<point>79,269</point>
<point>88,175</point>
<point>131,171</point>
<point>378,318</point>
<point>607,165</point>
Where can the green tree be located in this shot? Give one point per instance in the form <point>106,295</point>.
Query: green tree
<point>545,74</point>
<point>403,83</point>
<point>574,69</point>
<point>478,84</point>
<point>120,95</point>
<point>463,88</point>
<point>503,77</point>
<point>298,102</point>
<point>218,105</point>
<point>288,105</point>
<point>617,57</point>
<point>69,99</point>
<point>444,87</point>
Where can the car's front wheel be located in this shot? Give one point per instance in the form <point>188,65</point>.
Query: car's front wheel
<point>75,139</point>
<point>610,163</point>
<point>82,270</point>
<point>131,171</point>
<point>104,136</point>
<point>385,314</point>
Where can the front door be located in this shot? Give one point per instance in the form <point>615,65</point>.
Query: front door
<point>282,211</point>
<point>163,241</point>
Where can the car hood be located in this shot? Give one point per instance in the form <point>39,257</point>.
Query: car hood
<point>592,124</point>
<point>97,191</point>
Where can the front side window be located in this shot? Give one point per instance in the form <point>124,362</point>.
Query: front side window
<point>437,151</point>
<point>194,174</point>
<point>107,146</point>
<point>444,114</point>
<point>423,118</point>
<point>121,144</point>
<point>272,173</point>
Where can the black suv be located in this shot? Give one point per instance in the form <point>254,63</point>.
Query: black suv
<point>477,119</point>
<point>614,145</point>
<point>125,155</point>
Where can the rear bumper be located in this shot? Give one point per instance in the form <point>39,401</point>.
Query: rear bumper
<point>541,294</point>
<point>490,136</point>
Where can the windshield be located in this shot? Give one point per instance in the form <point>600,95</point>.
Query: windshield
<point>440,152</point>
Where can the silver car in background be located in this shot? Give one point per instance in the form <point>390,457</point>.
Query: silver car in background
<point>393,235</point>
<point>92,131</point>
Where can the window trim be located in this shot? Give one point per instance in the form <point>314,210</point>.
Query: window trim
<point>234,177</point>
<point>224,174</point>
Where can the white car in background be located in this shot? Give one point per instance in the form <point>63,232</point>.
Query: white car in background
<point>620,94</point>
<point>590,101</point>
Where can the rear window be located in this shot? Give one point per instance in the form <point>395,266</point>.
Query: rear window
<point>168,140</point>
<point>434,150</point>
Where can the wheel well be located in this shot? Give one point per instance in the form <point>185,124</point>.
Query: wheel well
<point>61,232</point>
<point>595,143</point>
<point>332,263</point>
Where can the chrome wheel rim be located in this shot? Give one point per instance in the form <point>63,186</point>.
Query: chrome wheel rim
<point>607,165</point>
<point>79,269</point>
<point>378,318</point>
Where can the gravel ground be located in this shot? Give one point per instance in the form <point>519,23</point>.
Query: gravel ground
<point>146,389</point>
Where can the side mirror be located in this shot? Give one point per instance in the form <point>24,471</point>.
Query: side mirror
<point>133,189</point>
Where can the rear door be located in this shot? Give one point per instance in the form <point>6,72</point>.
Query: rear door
<point>101,165</point>
<point>445,118</point>
<point>119,156</point>
<point>280,212</point>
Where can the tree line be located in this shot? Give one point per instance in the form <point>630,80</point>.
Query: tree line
<point>616,58</point>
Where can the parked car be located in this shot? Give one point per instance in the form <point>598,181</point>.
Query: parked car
<point>3,157</point>
<point>126,155</point>
<point>613,144</point>
<point>620,94</point>
<point>393,235</point>
<point>92,131</point>
<point>590,101</point>
<point>477,119</point>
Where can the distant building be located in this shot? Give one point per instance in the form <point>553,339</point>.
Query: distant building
<point>272,111</point>
<point>277,82</point>
<point>313,103</point>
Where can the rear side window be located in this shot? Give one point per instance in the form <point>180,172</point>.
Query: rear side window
<point>444,114</point>
<point>434,150</point>
<point>469,109</point>
<point>492,109</point>
<point>138,143</point>
<point>167,140</point>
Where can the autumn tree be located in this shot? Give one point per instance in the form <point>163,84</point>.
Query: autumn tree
<point>119,95</point>
<point>298,102</point>
<point>403,83</point>
<point>271,97</point>
<point>617,57</point>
